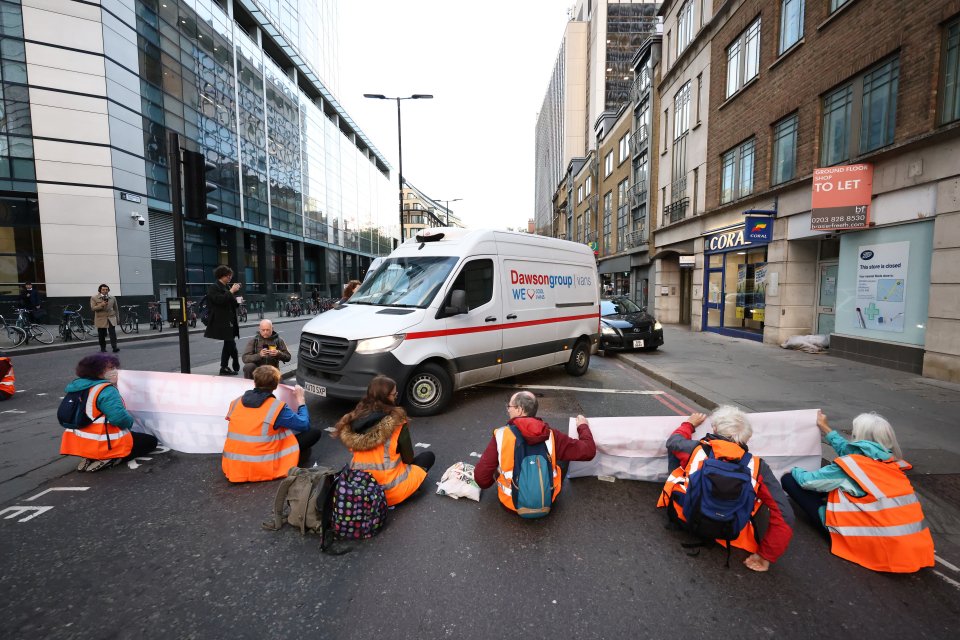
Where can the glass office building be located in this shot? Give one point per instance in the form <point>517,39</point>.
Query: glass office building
<point>305,201</point>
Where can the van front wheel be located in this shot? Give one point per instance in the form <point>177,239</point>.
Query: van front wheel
<point>579,359</point>
<point>428,390</point>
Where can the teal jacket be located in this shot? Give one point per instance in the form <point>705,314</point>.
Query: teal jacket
<point>108,401</point>
<point>832,476</point>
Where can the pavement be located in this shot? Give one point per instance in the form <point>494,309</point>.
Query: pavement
<point>714,370</point>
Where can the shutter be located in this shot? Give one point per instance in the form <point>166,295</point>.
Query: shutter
<point>161,235</point>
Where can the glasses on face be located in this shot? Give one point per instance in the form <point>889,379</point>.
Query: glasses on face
<point>511,406</point>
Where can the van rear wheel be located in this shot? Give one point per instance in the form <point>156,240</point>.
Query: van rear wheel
<point>579,359</point>
<point>428,390</point>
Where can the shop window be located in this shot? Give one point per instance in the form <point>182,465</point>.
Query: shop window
<point>476,279</point>
<point>950,108</point>
<point>736,172</point>
<point>743,58</point>
<point>784,150</point>
<point>791,23</point>
<point>848,131</point>
<point>21,250</point>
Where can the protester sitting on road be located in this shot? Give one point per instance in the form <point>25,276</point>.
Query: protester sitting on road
<point>223,323</point>
<point>497,460</point>
<point>348,291</point>
<point>265,438</point>
<point>264,348</point>
<point>7,386</point>
<point>768,531</point>
<point>864,500</point>
<point>105,317</point>
<point>108,440</point>
<point>377,434</point>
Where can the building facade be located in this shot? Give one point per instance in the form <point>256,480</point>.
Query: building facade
<point>420,211</point>
<point>91,90</point>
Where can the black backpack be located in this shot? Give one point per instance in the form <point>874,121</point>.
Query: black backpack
<point>203,311</point>
<point>72,413</point>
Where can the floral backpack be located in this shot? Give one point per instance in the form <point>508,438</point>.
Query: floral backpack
<point>359,505</point>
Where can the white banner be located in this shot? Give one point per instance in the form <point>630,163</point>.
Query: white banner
<point>634,448</point>
<point>186,412</point>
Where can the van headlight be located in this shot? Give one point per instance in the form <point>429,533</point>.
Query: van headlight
<point>382,344</point>
<point>657,326</point>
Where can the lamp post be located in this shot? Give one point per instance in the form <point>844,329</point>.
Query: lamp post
<point>448,201</point>
<point>416,96</point>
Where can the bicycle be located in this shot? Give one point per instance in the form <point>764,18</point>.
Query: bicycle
<point>156,320</point>
<point>11,335</point>
<point>32,330</point>
<point>130,323</point>
<point>242,312</point>
<point>192,314</point>
<point>293,307</point>
<point>71,325</point>
<point>259,308</point>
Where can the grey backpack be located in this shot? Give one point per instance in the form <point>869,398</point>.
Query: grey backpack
<point>304,501</point>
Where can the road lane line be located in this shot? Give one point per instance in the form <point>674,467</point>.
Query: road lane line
<point>952,567</point>
<point>946,579</point>
<point>677,402</point>
<point>544,387</point>
<point>664,402</point>
<point>55,489</point>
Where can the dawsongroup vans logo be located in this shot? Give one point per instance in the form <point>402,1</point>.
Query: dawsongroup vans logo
<point>534,292</point>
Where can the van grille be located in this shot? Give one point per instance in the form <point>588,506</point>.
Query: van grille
<point>325,352</point>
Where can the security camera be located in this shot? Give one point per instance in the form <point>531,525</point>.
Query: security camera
<point>139,218</point>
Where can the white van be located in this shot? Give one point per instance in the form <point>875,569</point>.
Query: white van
<point>454,308</point>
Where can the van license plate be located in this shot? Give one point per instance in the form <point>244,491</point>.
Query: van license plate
<point>638,344</point>
<point>322,391</point>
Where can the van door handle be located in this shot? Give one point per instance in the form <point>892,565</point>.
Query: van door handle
<point>489,319</point>
<point>512,316</point>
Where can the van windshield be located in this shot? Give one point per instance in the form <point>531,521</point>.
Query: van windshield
<point>405,282</point>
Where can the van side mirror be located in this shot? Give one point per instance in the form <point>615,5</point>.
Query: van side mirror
<point>458,303</point>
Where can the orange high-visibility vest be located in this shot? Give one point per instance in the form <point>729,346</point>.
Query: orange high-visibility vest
<point>254,451</point>
<point>398,479</point>
<point>885,529</point>
<point>100,440</point>
<point>506,441</point>
<point>7,385</point>
<point>678,479</point>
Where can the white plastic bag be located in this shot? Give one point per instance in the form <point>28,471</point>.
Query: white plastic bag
<point>457,482</point>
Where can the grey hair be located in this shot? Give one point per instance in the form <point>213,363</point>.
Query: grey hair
<point>874,427</point>
<point>731,423</point>
<point>526,402</point>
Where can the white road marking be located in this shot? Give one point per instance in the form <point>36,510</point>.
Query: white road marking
<point>41,394</point>
<point>132,464</point>
<point>422,445</point>
<point>948,565</point>
<point>946,579</point>
<point>17,511</point>
<point>12,411</point>
<point>544,387</point>
<point>474,454</point>
<point>56,489</point>
<point>21,390</point>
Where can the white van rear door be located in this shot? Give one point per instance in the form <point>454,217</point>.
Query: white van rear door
<point>474,339</point>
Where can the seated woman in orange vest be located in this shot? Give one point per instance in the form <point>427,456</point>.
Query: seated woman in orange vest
<point>864,501</point>
<point>768,533</point>
<point>265,438</point>
<point>7,386</point>
<point>377,434</point>
<point>108,441</point>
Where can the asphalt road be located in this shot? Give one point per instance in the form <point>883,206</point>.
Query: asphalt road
<point>170,549</point>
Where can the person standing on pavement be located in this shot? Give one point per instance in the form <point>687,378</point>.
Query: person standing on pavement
<point>30,300</point>
<point>496,463</point>
<point>377,434</point>
<point>768,533</point>
<point>265,437</point>
<point>223,324</point>
<point>864,501</point>
<point>264,348</point>
<point>108,440</point>
<point>7,386</point>
<point>105,317</point>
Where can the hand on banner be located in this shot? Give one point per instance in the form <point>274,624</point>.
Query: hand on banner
<point>822,423</point>
<point>696,419</point>
<point>298,392</point>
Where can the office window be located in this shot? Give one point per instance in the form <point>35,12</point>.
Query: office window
<point>791,23</point>
<point>666,120</point>
<point>950,108</point>
<point>607,215</point>
<point>588,225</point>
<point>579,194</point>
<point>608,164</point>
<point>624,148</point>
<point>736,173</point>
<point>848,131</point>
<point>836,4</point>
<point>784,150</point>
<point>588,185</point>
<point>579,230</point>
<point>699,94</point>
<point>681,111</point>
<point>743,58</point>
<point>684,26</point>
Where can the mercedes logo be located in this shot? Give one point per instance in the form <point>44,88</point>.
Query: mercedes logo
<point>314,348</point>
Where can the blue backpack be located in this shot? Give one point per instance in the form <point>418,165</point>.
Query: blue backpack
<point>532,483</point>
<point>720,498</point>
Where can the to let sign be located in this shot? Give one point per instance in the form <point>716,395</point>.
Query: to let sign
<point>841,197</point>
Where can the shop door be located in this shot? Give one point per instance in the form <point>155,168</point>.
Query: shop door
<point>713,305</point>
<point>826,297</point>
<point>686,285</point>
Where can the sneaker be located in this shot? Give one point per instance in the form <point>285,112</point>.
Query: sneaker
<point>84,464</point>
<point>97,465</point>
<point>116,350</point>
<point>227,372</point>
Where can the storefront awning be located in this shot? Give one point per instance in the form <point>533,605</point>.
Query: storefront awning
<point>685,248</point>
<point>620,263</point>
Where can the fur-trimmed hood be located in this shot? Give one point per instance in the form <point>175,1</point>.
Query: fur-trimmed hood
<point>372,430</point>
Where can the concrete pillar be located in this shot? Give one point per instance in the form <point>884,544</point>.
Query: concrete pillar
<point>942,357</point>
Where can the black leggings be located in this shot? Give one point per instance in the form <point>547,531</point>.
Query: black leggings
<point>143,443</point>
<point>808,501</point>
<point>306,440</point>
<point>424,460</point>
<point>229,351</point>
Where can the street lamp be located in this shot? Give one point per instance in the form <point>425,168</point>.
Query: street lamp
<point>416,96</point>
<point>448,206</point>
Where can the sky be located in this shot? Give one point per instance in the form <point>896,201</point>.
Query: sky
<point>487,64</point>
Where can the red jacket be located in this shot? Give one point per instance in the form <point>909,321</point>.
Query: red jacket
<point>771,494</point>
<point>535,430</point>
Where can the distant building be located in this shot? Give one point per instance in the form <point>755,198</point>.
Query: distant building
<point>422,212</point>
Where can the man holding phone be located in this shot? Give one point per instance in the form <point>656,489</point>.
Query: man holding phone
<point>264,348</point>
<point>223,324</point>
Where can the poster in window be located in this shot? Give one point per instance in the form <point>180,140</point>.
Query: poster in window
<point>882,286</point>
<point>741,290</point>
<point>759,291</point>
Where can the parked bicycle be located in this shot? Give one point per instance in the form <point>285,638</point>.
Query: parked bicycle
<point>293,307</point>
<point>156,319</point>
<point>71,324</point>
<point>130,320</point>
<point>11,335</point>
<point>242,312</point>
<point>192,313</point>
<point>258,306</point>
<point>33,330</point>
